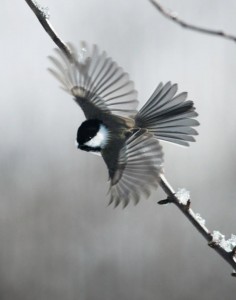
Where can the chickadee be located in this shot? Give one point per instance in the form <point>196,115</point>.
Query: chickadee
<point>127,140</point>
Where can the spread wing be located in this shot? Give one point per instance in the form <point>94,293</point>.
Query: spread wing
<point>97,83</point>
<point>137,170</point>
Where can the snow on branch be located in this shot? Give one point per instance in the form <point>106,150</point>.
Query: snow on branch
<point>43,16</point>
<point>173,16</point>
<point>225,248</point>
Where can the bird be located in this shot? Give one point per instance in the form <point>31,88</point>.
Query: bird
<point>127,139</point>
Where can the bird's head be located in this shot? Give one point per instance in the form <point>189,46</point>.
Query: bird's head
<point>92,135</point>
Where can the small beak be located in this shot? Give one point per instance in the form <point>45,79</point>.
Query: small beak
<point>77,145</point>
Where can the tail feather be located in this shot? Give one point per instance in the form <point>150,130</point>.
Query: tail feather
<point>169,117</point>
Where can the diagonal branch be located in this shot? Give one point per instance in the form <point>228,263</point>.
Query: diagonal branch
<point>216,244</point>
<point>172,16</point>
<point>43,19</point>
<point>230,256</point>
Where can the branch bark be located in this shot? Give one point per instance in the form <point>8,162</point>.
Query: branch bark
<point>41,16</point>
<point>174,18</point>
<point>191,216</point>
<point>171,196</point>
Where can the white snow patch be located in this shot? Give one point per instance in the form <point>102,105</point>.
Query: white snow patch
<point>227,245</point>
<point>44,10</point>
<point>200,220</point>
<point>183,195</point>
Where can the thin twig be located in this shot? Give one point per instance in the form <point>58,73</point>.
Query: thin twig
<point>48,28</point>
<point>172,16</point>
<point>190,215</point>
<point>228,256</point>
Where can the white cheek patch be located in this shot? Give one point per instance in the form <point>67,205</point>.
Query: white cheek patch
<point>101,138</point>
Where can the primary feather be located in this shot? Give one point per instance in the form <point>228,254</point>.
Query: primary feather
<point>96,78</point>
<point>127,140</point>
<point>138,168</point>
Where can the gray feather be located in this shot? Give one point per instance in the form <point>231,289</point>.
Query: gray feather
<point>139,164</point>
<point>97,79</point>
<point>169,117</point>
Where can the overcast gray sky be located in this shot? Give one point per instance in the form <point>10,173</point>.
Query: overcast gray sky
<point>58,238</point>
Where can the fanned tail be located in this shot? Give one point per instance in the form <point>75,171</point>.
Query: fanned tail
<point>168,116</point>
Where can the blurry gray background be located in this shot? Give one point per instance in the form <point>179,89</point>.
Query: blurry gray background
<point>58,238</point>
